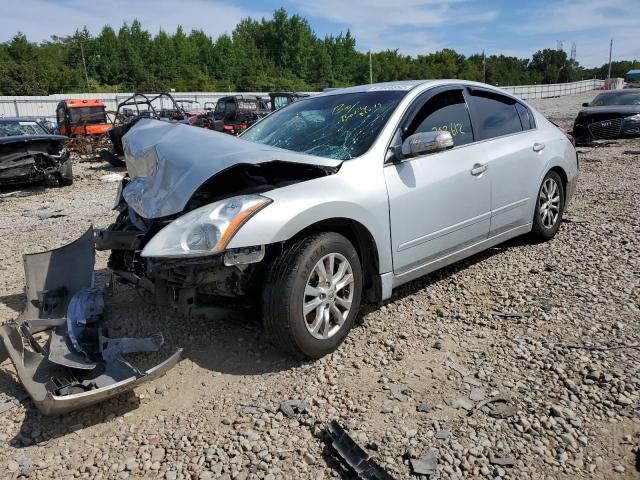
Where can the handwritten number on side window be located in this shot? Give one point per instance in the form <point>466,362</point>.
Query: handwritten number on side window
<point>454,128</point>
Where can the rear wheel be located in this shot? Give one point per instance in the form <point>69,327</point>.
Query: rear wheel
<point>312,295</point>
<point>549,207</point>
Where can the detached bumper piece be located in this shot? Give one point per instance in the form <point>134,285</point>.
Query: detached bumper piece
<point>355,457</point>
<point>77,365</point>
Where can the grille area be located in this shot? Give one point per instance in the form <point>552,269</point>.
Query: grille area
<point>606,128</point>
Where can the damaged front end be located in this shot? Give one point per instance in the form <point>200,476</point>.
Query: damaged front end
<point>187,192</point>
<point>33,158</point>
<point>77,364</point>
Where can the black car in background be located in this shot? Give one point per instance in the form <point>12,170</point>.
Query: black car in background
<point>612,114</point>
<point>29,153</point>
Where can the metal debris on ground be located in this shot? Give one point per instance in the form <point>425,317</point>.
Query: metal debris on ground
<point>354,456</point>
<point>426,464</point>
<point>573,219</point>
<point>78,365</point>
<point>496,313</point>
<point>292,407</point>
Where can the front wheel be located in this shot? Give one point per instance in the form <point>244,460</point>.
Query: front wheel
<point>312,295</point>
<point>549,207</point>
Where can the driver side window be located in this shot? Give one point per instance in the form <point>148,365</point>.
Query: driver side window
<point>444,111</point>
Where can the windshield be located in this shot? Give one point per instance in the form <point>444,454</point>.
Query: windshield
<point>12,128</point>
<point>339,126</point>
<point>88,115</point>
<point>606,99</point>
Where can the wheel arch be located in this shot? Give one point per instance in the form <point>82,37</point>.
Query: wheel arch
<point>563,176</point>
<point>362,240</point>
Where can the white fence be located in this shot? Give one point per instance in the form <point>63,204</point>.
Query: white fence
<point>554,89</point>
<point>45,107</point>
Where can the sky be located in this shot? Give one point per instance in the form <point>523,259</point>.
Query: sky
<point>413,27</point>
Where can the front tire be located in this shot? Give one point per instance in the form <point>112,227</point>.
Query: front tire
<point>312,295</point>
<point>549,208</point>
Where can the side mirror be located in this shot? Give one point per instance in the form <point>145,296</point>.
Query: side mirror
<point>585,104</point>
<point>426,142</point>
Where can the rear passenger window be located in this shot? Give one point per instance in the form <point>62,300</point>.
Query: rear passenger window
<point>494,115</point>
<point>445,111</point>
<point>526,118</point>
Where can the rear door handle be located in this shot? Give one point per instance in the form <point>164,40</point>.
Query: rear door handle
<point>478,168</point>
<point>537,147</point>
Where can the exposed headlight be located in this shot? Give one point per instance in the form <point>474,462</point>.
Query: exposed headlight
<point>206,230</point>
<point>633,118</point>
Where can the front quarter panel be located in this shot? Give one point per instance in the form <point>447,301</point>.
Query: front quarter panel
<point>357,192</point>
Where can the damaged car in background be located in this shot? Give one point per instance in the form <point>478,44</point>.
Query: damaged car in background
<point>29,153</point>
<point>614,114</point>
<point>335,198</point>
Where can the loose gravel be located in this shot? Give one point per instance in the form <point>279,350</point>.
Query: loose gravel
<point>442,377</point>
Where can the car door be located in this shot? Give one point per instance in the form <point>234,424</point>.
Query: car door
<point>439,203</point>
<point>508,130</point>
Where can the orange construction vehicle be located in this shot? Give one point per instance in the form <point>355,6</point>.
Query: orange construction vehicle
<point>82,117</point>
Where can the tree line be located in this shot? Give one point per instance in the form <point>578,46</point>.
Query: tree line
<point>280,53</point>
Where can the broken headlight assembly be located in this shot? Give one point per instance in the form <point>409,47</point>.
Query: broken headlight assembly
<point>206,230</point>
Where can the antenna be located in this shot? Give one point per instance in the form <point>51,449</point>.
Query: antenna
<point>573,51</point>
<point>559,45</point>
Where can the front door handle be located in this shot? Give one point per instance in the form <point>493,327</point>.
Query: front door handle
<point>537,147</point>
<point>478,168</point>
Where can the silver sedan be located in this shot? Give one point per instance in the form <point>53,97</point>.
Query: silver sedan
<point>333,198</point>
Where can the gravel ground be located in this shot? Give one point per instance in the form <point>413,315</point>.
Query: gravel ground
<point>410,382</point>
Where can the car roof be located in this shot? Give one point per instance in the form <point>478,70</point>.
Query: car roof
<point>632,71</point>
<point>19,119</point>
<point>408,85</point>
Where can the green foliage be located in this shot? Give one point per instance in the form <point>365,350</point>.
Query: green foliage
<point>280,54</point>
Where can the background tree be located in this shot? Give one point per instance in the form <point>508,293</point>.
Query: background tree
<point>277,53</point>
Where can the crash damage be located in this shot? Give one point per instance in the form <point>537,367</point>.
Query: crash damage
<point>61,354</point>
<point>174,169</point>
<point>33,158</point>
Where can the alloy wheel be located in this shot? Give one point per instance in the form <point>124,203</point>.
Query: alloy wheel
<point>328,296</point>
<point>549,203</point>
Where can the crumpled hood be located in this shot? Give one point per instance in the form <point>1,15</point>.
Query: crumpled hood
<point>168,162</point>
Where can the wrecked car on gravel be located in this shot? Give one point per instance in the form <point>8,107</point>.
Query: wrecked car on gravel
<point>349,193</point>
<point>335,198</point>
<point>29,153</point>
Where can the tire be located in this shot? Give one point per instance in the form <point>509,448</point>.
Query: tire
<point>546,226</point>
<point>286,292</point>
<point>65,178</point>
